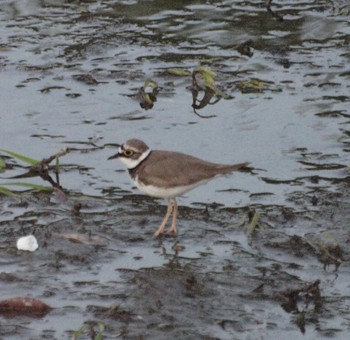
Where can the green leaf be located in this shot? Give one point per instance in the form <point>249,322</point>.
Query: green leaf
<point>101,326</point>
<point>23,158</point>
<point>99,335</point>
<point>179,72</point>
<point>207,75</point>
<point>208,78</point>
<point>151,83</point>
<point>255,85</point>
<point>29,186</point>
<point>78,333</point>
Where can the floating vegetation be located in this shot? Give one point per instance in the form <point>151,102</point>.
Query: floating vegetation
<point>203,81</point>
<point>93,329</point>
<point>255,85</point>
<point>148,94</point>
<point>207,75</point>
<point>179,72</point>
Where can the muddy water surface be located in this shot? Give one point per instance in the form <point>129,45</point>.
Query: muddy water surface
<point>70,76</point>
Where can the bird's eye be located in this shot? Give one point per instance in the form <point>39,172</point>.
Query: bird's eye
<point>128,153</point>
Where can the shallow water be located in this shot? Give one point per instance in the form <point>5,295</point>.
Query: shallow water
<point>70,74</point>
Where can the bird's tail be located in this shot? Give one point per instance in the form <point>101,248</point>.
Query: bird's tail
<point>226,169</point>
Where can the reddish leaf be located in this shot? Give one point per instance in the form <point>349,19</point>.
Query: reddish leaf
<point>23,306</point>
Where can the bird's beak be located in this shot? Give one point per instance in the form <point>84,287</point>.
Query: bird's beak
<point>120,151</point>
<point>114,156</point>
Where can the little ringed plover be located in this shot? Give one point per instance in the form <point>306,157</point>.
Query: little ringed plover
<point>168,174</point>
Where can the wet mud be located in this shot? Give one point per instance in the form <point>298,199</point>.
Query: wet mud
<point>211,281</point>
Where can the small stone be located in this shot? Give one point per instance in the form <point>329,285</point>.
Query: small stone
<point>28,243</point>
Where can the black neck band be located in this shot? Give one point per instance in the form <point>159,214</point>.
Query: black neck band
<point>135,167</point>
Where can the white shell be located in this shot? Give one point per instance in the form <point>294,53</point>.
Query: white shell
<point>28,243</point>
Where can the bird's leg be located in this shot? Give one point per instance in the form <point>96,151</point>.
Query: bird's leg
<point>165,220</point>
<point>172,230</point>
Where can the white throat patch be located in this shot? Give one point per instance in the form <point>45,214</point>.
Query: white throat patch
<point>132,163</point>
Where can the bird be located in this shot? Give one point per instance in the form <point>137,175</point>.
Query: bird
<point>168,174</point>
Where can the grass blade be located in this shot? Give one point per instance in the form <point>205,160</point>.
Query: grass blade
<point>2,165</point>
<point>253,224</point>
<point>29,186</point>
<point>23,158</point>
<point>6,191</point>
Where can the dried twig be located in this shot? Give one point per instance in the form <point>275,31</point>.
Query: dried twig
<point>268,7</point>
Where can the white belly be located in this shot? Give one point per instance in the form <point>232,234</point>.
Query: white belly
<point>153,191</point>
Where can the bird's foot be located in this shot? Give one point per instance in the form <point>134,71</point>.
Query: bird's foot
<point>171,232</point>
<point>158,234</point>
